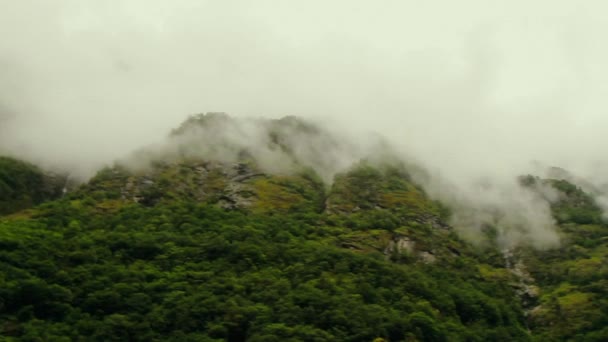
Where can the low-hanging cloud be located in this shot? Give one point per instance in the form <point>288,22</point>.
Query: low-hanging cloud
<point>472,90</point>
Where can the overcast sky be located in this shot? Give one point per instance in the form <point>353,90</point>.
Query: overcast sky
<point>465,86</point>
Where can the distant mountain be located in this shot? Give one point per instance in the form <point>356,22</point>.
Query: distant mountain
<point>279,230</point>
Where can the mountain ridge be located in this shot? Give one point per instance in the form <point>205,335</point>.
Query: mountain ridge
<point>209,249</point>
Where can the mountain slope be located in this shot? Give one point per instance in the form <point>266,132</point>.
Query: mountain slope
<point>23,185</point>
<point>182,245</point>
<point>573,278</point>
<point>96,266</point>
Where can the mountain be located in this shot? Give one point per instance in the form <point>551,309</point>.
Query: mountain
<point>279,230</point>
<point>23,185</point>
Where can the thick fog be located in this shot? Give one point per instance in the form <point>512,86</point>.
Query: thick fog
<point>477,92</point>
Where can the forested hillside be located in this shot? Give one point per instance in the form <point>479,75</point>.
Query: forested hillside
<point>23,185</point>
<point>196,249</point>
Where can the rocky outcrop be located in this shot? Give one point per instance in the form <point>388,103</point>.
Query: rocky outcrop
<point>524,285</point>
<point>405,246</point>
<point>400,245</point>
<point>228,184</point>
<point>232,186</point>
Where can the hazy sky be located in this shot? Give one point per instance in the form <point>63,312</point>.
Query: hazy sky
<point>466,86</point>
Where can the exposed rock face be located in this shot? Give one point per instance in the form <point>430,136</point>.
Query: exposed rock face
<point>400,245</point>
<point>525,288</point>
<point>428,257</point>
<point>238,193</point>
<point>228,184</point>
<point>405,245</point>
<point>233,186</point>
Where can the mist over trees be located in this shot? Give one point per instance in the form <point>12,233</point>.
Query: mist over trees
<point>395,171</point>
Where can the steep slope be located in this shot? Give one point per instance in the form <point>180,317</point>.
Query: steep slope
<point>203,250</point>
<point>219,239</point>
<point>23,185</point>
<point>573,302</point>
<point>229,185</point>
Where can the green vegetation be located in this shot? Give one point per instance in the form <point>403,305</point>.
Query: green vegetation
<point>573,279</point>
<point>99,266</point>
<point>23,185</point>
<point>575,206</point>
<point>209,251</point>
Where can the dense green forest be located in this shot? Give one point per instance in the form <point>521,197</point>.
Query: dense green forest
<point>201,250</point>
<point>94,266</point>
<point>23,185</point>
